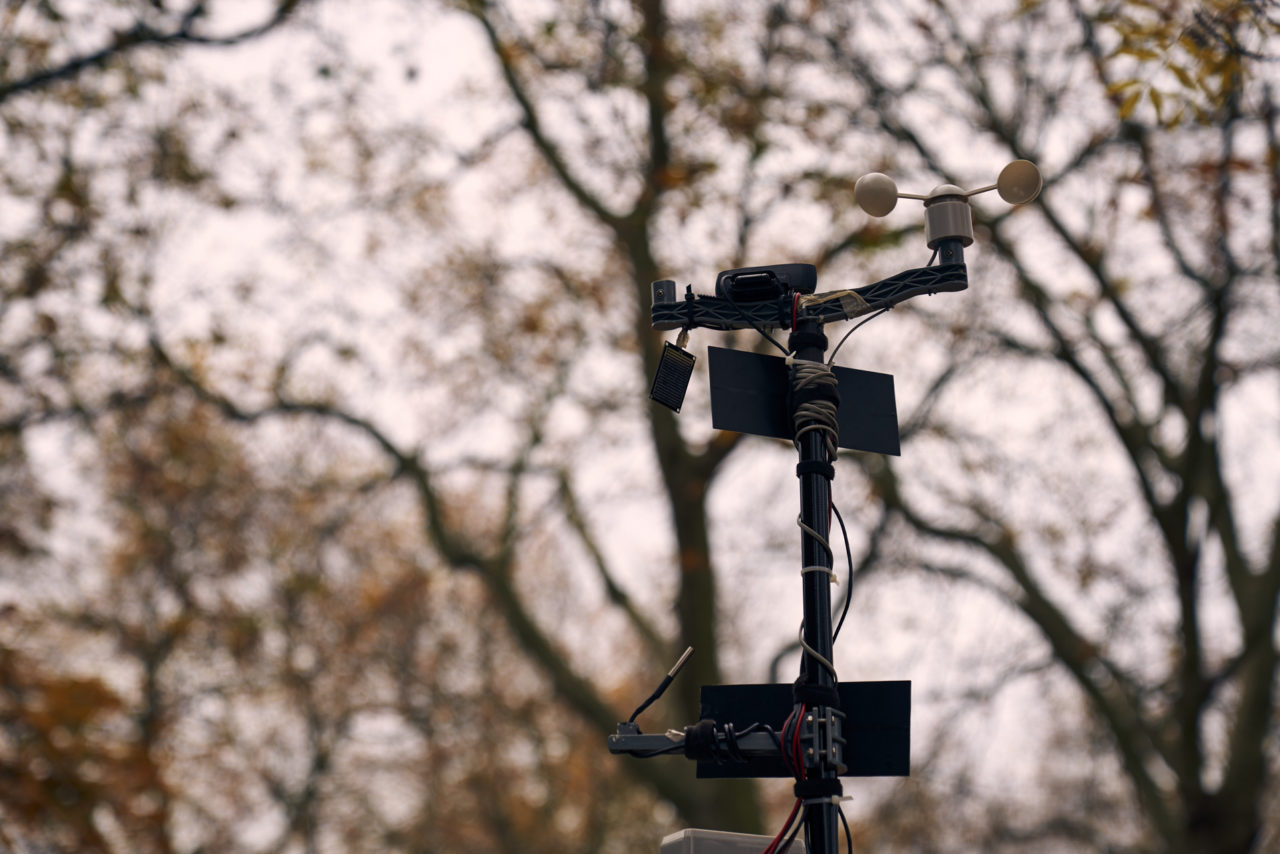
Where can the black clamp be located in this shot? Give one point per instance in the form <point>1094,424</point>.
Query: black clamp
<point>819,790</point>
<point>821,467</point>
<point>800,340</point>
<point>703,743</point>
<point>815,695</point>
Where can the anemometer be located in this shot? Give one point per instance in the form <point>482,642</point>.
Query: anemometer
<point>819,729</point>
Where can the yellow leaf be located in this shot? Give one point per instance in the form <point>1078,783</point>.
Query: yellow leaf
<point>1142,53</point>
<point>1184,77</point>
<point>1157,101</point>
<point>1129,103</point>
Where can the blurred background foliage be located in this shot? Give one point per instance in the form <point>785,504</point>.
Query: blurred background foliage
<point>333,516</point>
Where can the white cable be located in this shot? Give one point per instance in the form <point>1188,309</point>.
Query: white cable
<point>821,659</point>
<point>826,546</point>
<point>819,415</point>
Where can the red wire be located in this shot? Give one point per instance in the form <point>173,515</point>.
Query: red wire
<point>798,764</point>
<point>773,846</point>
<point>795,745</point>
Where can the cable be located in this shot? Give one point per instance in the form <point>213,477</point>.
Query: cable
<point>848,590</point>
<point>816,386</point>
<point>792,758</point>
<point>855,328</point>
<point>796,756</point>
<point>662,687</point>
<point>783,741</point>
<point>793,761</point>
<point>791,837</point>
<point>708,741</point>
<point>677,747</point>
<point>825,546</point>
<point>773,846</point>
<point>817,414</point>
<point>816,656</point>
<point>729,298</point>
<point>777,742</point>
<point>848,837</point>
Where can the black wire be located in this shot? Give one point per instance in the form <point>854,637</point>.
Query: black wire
<point>848,590</point>
<point>789,727</point>
<point>777,742</point>
<point>855,328</point>
<point>782,750</point>
<point>754,325</point>
<point>848,837</point>
<point>795,831</point>
<point>677,747</point>
<point>662,687</point>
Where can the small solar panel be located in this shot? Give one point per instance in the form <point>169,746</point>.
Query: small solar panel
<point>672,378</point>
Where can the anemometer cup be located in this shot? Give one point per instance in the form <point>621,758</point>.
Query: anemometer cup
<point>947,213</point>
<point>1019,182</point>
<point>876,193</point>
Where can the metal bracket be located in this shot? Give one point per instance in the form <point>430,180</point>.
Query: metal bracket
<point>821,732</point>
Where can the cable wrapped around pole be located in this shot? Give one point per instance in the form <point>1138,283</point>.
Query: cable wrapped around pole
<point>815,399</point>
<point>814,402</point>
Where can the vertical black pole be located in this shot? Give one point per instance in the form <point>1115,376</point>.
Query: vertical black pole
<point>808,343</point>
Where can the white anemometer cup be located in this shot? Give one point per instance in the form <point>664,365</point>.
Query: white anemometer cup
<point>946,208</point>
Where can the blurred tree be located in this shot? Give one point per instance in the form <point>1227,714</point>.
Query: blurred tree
<point>184,630</point>
<point>266,665</point>
<point>1142,296</point>
<point>315,642</point>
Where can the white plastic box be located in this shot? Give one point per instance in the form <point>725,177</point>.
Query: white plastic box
<point>720,842</point>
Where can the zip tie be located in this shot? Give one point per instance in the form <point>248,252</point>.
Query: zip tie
<point>834,800</point>
<point>835,579</point>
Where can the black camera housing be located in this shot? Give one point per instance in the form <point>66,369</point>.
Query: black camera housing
<point>758,284</point>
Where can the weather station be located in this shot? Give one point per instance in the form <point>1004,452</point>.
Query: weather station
<point>817,730</point>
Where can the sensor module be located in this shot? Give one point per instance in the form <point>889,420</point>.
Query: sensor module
<point>672,377</point>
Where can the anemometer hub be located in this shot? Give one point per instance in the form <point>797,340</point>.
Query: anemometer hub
<point>947,216</point>
<point>947,213</point>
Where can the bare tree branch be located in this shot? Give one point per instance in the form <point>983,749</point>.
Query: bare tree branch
<point>483,12</point>
<point>493,566</point>
<point>659,648</point>
<point>1270,120</point>
<point>1076,652</point>
<point>143,35</point>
